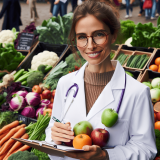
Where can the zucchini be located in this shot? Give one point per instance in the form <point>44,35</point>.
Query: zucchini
<point>133,64</point>
<point>24,83</point>
<point>140,60</point>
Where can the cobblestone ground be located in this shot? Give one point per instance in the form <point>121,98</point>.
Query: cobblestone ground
<point>44,8</point>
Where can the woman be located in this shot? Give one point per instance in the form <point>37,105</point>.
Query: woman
<point>60,6</point>
<point>12,11</point>
<point>101,81</point>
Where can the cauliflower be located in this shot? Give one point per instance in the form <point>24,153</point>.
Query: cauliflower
<point>6,36</point>
<point>45,57</point>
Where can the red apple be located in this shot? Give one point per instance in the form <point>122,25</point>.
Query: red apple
<point>46,94</point>
<point>69,143</point>
<point>158,116</point>
<point>100,137</point>
<point>53,93</point>
<point>37,89</point>
<point>50,105</point>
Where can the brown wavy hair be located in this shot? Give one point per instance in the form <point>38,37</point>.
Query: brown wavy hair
<point>104,10</point>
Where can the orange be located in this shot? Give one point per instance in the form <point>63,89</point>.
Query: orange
<point>157,125</point>
<point>157,107</point>
<point>159,69</point>
<point>153,67</point>
<point>81,140</point>
<point>157,61</point>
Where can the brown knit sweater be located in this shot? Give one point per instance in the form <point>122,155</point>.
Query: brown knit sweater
<point>94,84</point>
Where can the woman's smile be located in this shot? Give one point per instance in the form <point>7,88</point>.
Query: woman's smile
<point>94,54</point>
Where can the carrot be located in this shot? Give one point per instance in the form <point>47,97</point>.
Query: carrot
<point>11,141</point>
<point>17,144</point>
<point>2,156</point>
<point>3,135</point>
<point>9,126</point>
<point>10,134</point>
<point>23,148</point>
<point>3,146</point>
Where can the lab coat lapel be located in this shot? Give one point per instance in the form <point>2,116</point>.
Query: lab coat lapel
<point>80,101</point>
<point>106,97</point>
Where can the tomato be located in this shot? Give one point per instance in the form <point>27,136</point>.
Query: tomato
<point>46,94</point>
<point>48,110</point>
<point>37,89</point>
<point>53,93</point>
<point>50,105</point>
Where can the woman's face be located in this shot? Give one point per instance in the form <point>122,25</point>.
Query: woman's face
<point>91,26</point>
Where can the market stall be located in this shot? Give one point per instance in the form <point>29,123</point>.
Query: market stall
<point>28,84</point>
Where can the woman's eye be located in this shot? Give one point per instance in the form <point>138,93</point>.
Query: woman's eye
<point>99,34</point>
<point>82,37</point>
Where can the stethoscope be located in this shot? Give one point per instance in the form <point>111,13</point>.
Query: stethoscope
<point>76,91</point>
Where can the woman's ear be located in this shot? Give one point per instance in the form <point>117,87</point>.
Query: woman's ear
<point>114,36</point>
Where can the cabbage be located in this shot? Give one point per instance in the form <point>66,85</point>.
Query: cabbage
<point>156,83</point>
<point>44,103</point>
<point>22,93</point>
<point>155,94</point>
<point>40,111</point>
<point>17,102</point>
<point>33,99</point>
<point>28,111</point>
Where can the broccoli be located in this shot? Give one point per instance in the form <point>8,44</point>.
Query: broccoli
<point>25,155</point>
<point>157,134</point>
<point>35,78</point>
<point>41,68</point>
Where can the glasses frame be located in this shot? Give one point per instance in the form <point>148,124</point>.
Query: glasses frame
<point>93,39</point>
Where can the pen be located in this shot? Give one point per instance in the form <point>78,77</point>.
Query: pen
<point>55,119</point>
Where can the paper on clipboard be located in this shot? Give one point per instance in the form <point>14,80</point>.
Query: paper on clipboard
<point>49,148</point>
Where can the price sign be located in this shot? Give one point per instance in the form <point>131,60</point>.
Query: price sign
<point>25,41</point>
<point>23,119</point>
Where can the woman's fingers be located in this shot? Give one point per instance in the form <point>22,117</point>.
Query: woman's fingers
<point>62,135</point>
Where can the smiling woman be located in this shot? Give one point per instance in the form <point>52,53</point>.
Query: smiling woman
<point>102,85</point>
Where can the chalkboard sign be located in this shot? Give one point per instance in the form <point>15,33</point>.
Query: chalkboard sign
<point>25,41</point>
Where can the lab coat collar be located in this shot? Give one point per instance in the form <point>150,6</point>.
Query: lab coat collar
<point>117,81</point>
<point>106,97</point>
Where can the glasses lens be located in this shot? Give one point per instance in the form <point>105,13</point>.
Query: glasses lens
<point>81,40</point>
<point>99,37</point>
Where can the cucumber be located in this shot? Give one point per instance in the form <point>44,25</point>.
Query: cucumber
<point>48,68</point>
<point>141,60</point>
<point>144,62</point>
<point>18,74</point>
<point>129,60</point>
<point>133,64</point>
<point>24,83</point>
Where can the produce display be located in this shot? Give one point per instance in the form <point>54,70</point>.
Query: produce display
<point>122,58</point>
<point>10,58</point>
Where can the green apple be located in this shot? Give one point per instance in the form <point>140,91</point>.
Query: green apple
<point>83,127</point>
<point>109,117</point>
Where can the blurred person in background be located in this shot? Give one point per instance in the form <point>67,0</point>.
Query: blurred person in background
<point>141,8</point>
<point>158,8</point>
<point>12,12</point>
<point>153,11</point>
<point>74,4</point>
<point>128,7</point>
<point>60,6</point>
<point>33,11</point>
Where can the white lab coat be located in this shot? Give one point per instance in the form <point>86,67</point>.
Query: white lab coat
<point>133,135</point>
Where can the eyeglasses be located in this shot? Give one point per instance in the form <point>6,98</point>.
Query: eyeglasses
<point>98,37</point>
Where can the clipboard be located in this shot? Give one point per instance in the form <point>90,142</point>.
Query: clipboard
<point>47,147</point>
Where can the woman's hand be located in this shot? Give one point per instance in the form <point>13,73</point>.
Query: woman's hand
<point>93,152</point>
<point>56,2</point>
<point>61,132</point>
